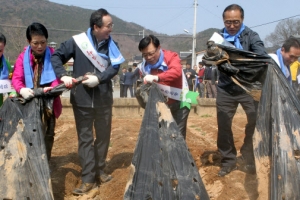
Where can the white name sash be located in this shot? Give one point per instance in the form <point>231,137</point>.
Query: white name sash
<point>170,92</point>
<point>5,86</point>
<point>88,50</point>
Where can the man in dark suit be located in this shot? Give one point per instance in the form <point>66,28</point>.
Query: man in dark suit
<point>122,79</point>
<point>190,74</point>
<point>128,82</point>
<point>211,79</point>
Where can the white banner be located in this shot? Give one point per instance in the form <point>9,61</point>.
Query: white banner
<point>170,92</point>
<point>175,93</point>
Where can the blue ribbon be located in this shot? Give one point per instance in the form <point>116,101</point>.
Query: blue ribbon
<point>283,67</point>
<point>113,51</point>
<point>4,72</point>
<point>234,38</point>
<point>157,65</point>
<point>196,83</point>
<point>47,75</point>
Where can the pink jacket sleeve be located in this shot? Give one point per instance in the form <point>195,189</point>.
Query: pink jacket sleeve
<point>18,78</point>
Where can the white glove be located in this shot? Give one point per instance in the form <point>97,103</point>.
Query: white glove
<point>68,81</point>
<point>150,79</point>
<point>27,93</point>
<point>91,81</point>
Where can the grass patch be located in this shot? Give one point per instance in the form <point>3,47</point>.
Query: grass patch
<point>206,115</point>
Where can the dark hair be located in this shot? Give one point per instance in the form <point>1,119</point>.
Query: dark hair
<point>234,7</point>
<point>291,42</point>
<point>36,29</point>
<point>129,69</point>
<point>134,65</point>
<point>96,17</point>
<point>2,39</point>
<point>200,63</point>
<point>147,40</point>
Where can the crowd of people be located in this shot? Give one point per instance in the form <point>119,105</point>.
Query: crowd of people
<point>99,60</point>
<point>203,79</point>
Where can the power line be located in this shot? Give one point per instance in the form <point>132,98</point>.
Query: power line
<point>209,11</point>
<point>124,6</point>
<point>51,29</point>
<point>128,34</point>
<point>274,21</point>
<point>183,12</point>
<point>112,33</point>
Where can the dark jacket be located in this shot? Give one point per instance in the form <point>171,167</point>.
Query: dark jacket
<point>129,78</point>
<point>136,75</point>
<point>83,96</point>
<point>190,79</point>
<point>122,78</point>
<point>250,41</point>
<point>214,74</point>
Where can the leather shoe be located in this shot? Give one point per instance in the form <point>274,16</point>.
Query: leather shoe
<point>226,170</point>
<point>84,188</point>
<point>103,178</point>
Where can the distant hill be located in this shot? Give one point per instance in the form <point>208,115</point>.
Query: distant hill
<point>16,15</point>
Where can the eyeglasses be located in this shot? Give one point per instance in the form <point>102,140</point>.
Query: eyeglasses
<point>36,43</point>
<point>150,54</point>
<point>109,26</point>
<point>230,22</point>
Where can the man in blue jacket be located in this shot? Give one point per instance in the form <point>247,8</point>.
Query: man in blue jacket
<point>97,58</point>
<point>231,95</point>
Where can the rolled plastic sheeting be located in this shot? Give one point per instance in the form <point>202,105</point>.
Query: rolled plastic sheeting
<point>24,169</point>
<point>276,140</point>
<point>162,166</point>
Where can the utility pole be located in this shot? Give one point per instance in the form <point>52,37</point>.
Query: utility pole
<point>194,34</point>
<point>142,33</point>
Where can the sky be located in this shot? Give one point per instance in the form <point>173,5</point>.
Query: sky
<point>173,16</point>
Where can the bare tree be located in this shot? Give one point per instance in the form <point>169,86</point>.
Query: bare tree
<point>283,30</point>
<point>17,38</point>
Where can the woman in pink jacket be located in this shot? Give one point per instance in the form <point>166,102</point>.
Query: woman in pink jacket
<point>33,69</point>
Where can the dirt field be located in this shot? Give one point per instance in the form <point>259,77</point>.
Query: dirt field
<point>201,140</point>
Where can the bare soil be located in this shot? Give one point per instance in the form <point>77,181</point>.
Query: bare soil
<point>201,140</point>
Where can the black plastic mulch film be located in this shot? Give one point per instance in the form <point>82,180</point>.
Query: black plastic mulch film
<point>276,139</point>
<point>162,166</point>
<point>24,168</point>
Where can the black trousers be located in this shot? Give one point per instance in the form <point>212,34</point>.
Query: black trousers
<point>121,90</point>
<point>126,87</point>
<point>226,108</point>
<point>92,153</point>
<point>49,126</point>
<point>180,116</point>
<point>134,88</point>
